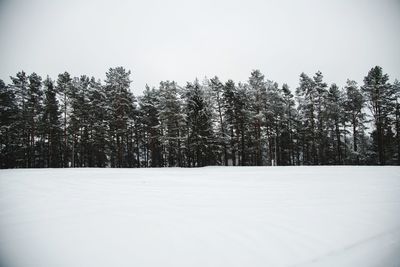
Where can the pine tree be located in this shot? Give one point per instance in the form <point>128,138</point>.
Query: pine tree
<point>148,106</point>
<point>20,89</point>
<point>379,94</point>
<point>98,125</point>
<point>64,87</point>
<point>246,151</point>
<point>258,93</point>
<point>396,90</point>
<point>199,122</point>
<point>275,119</point>
<point>229,95</point>
<point>238,124</point>
<point>34,107</point>
<point>78,128</point>
<point>354,105</point>
<point>51,126</point>
<point>289,112</point>
<point>121,104</point>
<point>171,122</point>
<point>217,88</point>
<point>8,129</point>
<point>321,92</point>
<point>306,97</point>
<point>334,118</point>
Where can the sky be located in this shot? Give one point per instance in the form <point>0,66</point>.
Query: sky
<point>183,39</point>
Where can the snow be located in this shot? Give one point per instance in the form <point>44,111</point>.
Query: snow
<point>214,216</point>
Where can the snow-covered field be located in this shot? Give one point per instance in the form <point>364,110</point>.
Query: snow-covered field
<point>215,216</point>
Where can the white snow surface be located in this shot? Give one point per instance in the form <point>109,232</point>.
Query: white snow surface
<point>214,216</point>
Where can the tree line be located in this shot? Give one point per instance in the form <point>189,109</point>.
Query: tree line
<point>82,122</point>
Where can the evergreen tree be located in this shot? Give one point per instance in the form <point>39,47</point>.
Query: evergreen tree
<point>200,134</point>
<point>378,92</point>
<point>148,104</point>
<point>320,103</point>
<point>354,105</point>
<point>121,105</point>
<point>98,125</point>
<point>78,128</point>
<point>275,119</point>
<point>217,88</point>
<point>229,96</point>
<point>248,153</point>
<point>289,113</point>
<point>171,122</point>
<point>51,126</point>
<point>334,118</point>
<point>19,87</point>
<point>34,108</point>
<point>306,97</point>
<point>8,127</point>
<point>258,93</point>
<point>396,90</point>
<point>64,87</point>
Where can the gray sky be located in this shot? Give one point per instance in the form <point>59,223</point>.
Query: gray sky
<point>182,39</point>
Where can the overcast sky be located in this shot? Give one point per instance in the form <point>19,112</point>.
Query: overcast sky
<point>182,39</point>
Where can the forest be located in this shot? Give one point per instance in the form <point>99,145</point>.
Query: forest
<point>84,122</point>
